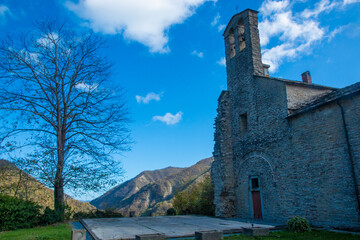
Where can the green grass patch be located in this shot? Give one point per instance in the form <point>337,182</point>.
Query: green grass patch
<point>55,232</point>
<point>313,235</point>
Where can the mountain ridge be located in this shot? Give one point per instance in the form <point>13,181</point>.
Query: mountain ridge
<point>156,193</point>
<point>15,182</point>
<point>142,179</point>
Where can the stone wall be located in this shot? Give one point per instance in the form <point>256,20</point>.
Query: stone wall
<point>325,190</point>
<point>257,152</point>
<point>241,67</point>
<point>222,168</point>
<point>302,162</point>
<point>351,107</point>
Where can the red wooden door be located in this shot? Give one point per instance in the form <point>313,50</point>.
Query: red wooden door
<point>256,202</point>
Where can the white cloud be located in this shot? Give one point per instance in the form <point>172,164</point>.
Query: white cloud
<point>352,30</point>
<point>144,21</point>
<point>30,56</point>
<point>221,27</point>
<point>198,54</point>
<point>335,32</point>
<point>86,87</point>
<point>269,7</point>
<point>149,97</point>
<point>169,118</point>
<point>222,62</point>
<point>289,28</point>
<point>48,40</point>
<point>215,23</point>
<point>351,1</point>
<point>297,32</point>
<point>216,20</point>
<point>322,6</point>
<point>4,10</point>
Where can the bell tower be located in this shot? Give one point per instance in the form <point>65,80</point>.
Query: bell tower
<point>242,48</point>
<point>236,118</point>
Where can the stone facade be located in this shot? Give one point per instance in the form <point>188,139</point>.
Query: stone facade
<point>283,148</point>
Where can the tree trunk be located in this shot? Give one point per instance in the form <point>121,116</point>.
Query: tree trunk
<point>59,194</point>
<point>59,180</point>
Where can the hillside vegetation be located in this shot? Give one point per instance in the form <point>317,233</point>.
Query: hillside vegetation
<point>152,192</point>
<point>16,183</point>
<point>196,199</point>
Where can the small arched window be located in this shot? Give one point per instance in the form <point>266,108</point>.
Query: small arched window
<point>232,43</point>
<point>241,34</point>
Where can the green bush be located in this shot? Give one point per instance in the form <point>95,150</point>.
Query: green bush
<point>171,212</point>
<point>16,213</point>
<point>206,201</point>
<point>298,224</point>
<point>197,200</point>
<point>49,217</point>
<point>108,213</point>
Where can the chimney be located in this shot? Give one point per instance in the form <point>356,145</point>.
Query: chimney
<point>266,69</point>
<point>306,77</point>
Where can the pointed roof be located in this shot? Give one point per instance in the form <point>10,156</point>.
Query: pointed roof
<point>236,15</point>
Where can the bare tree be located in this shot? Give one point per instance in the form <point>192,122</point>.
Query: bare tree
<point>61,115</point>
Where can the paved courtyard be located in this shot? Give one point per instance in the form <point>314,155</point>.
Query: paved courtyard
<point>171,226</point>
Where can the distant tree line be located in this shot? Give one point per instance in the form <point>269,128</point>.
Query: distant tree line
<point>196,200</point>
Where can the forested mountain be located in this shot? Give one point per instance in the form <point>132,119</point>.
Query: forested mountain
<point>152,192</point>
<point>17,183</point>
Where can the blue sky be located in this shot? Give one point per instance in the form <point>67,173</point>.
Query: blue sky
<point>169,54</point>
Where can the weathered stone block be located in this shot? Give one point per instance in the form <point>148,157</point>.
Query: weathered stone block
<point>156,236</point>
<point>256,231</point>
<point>78,234</point>
<point>209,235</point>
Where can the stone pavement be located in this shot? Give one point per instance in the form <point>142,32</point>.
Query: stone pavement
<point>171,226</point>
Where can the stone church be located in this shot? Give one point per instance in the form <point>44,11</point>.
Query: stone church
<point>283,148</point>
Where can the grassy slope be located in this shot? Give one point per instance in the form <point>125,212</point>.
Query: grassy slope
<point>14,182</point>
<point>313,235</point>
<point>58,232</point>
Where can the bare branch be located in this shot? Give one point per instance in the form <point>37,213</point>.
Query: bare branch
<point>58,103</point>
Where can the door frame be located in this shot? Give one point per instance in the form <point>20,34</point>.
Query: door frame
<point>251,189</point>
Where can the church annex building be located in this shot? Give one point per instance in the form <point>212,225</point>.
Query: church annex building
<point>283,148</point>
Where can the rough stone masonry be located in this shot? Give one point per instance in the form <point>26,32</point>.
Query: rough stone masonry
<point>283,148</point>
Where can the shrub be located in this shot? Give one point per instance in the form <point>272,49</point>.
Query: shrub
<point>49,217</point>
<point>197,200</point>
<point>298,224</point>
<point>171,212</point>
<point>16,213</point>
<point>206,201</point>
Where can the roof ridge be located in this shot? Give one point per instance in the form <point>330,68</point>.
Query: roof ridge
<point>295,82</point>
<point>330,97</point>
